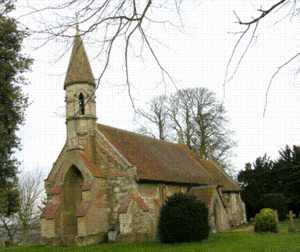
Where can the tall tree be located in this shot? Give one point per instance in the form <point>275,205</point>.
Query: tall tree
<point>287,174</point>
<point>279,178</point>
<point>255,183</point>
<point>12,104</point>
<point>31,190</point>
<point>157,116</point>
<point>30,185</point>
<point>196,116</point>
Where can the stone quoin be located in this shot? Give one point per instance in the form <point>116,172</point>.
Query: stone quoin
<point>107,179</point>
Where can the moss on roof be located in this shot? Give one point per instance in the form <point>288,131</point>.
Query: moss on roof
<point>158,160</point>
<point>79,69</point>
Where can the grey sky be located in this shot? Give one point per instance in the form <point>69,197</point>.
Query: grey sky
<point>197,58</point>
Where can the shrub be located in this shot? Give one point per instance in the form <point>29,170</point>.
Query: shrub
<point>265,221</point>
<point>183,219</point>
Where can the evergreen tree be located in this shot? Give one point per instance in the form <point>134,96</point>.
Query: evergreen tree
<point>287,174</point>
<point>272,184</point>
<point>255,183</point>
<point>12,104</point>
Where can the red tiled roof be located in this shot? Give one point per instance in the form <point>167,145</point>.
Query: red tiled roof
<point>96,171</point>
<point>157,160</point>
<point>228,184</point>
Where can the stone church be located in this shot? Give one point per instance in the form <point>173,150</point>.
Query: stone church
<point>111,179</point>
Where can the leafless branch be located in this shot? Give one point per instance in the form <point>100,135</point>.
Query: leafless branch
<point>275,7</point>
<point>241,58</point>
<point>273,76</point>
<point>263,14</point>
<point>116,19</point>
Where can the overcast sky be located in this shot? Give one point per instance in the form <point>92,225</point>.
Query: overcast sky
<point>196,57</point>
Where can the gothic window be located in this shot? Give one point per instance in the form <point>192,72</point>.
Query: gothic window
<point>81,104</point>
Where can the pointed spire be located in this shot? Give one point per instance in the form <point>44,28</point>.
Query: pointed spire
<point>79,70</point>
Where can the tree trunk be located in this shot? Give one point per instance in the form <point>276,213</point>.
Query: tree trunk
<point>25,237</point>
<point>11,240</point>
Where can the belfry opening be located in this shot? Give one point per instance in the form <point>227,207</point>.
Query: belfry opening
<point>81,104</point>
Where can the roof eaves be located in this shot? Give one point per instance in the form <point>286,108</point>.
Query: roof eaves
<point>233,181</point>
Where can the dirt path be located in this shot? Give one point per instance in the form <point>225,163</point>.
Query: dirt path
<point>244,229</point>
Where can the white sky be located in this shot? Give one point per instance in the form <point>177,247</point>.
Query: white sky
<point>197,58</point>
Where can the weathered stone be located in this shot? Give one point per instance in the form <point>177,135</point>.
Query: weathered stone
<point>92,177</point>
<point>291,225</point>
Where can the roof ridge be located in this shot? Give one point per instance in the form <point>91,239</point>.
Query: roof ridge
<point>157,159</point>
<point>135,133</point>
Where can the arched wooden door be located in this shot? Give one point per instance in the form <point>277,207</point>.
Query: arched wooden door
<point>72,196</point>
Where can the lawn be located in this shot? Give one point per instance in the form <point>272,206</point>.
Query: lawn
<point>284,225</point>
<point>230,241</point>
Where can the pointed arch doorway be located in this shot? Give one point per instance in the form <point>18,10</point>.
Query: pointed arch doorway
<point>72,196</point>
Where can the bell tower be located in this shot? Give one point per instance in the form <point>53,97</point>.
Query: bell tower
<point>80,86</point>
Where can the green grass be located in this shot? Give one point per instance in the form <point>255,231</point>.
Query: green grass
<point>221,242</point>
<point>284,225</point>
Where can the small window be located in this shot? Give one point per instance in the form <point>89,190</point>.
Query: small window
<point>81,104</point>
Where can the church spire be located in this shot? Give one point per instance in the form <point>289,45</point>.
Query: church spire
<point>79,69</point>
<point>80,100</point>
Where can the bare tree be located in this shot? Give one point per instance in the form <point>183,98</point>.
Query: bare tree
<point>291,9</point>
<point>197,116</point>
<point>157,116</point>
<point>31,192</point>
<point>10,224</point>
<point>113,24</point>
<point>128,24</point>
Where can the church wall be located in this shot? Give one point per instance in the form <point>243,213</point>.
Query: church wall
<point>119,186</point>
<point>92,224</point>
<point>154,195</point>
<point>120,179</point>
<point>158,191</point>
<point>237,209</point>
<point>218,217</point>
<point>47,228</point>
<point>135,224</point>
<point>92,210</point>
